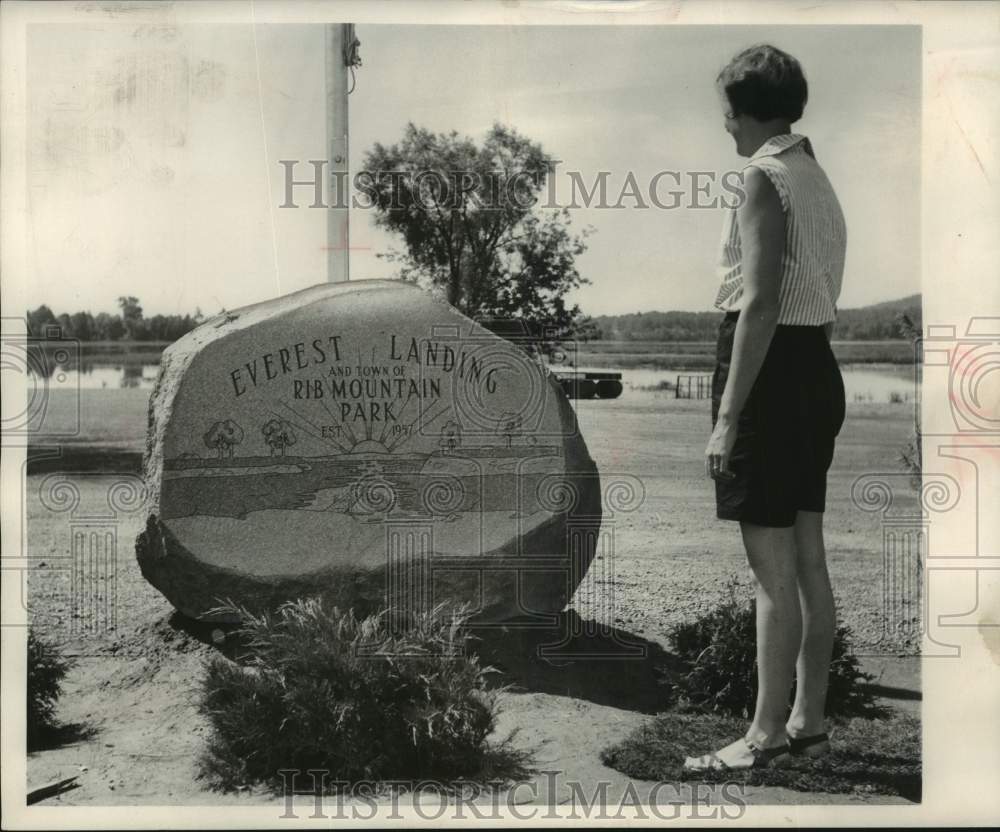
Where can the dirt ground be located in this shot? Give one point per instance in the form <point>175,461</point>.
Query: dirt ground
<point>131,698</point>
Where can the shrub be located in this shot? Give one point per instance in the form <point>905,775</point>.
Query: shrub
<point>46,670</point>
<point>363,699</point>
<point>720,676</point>
<point>910,453</point>
<point>909,456</point>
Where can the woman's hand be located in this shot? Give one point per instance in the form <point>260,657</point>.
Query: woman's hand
<point>762,233</point>
<point>720,447</point>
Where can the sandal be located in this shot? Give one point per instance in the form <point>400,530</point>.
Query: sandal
<point>762,758</point>
<point>812,746</point>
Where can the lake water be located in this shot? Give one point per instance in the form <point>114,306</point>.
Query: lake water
<point>114,376</point>
<point>862,382</point>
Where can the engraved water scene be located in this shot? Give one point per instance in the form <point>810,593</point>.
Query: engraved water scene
<point>333,445</point>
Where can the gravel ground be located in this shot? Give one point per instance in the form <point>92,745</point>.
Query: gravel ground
<point>672,558</point>
<point>134,688</point>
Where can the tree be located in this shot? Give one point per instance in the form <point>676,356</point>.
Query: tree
<point>509,425</point>
<point>588,329</point>
<point>109,327</point>
<point>451,436</point>
<point>83,325</point>
<point>66,326</point>
<point>104,327</point>
<point>278,434</point>
<point>131,316</point>
<point>222,436</point>
<point>467,216</point>
<point>39,320</point>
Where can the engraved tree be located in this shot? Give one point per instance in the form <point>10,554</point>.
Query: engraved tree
<point>509,425</point>
<point>451,436</point>
<point>278,434</point>
<point>222,436</point>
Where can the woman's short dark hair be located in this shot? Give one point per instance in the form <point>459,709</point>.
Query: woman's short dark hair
<point>765,83</point>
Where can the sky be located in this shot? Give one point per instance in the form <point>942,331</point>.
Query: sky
<point>153,150</point>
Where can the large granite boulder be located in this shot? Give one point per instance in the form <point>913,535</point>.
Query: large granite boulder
<point>368,443</point>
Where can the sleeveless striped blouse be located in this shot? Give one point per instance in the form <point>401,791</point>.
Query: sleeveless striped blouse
<point>815,236</point>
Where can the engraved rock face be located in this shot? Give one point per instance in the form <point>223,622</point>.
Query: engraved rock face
<point>367,443</point>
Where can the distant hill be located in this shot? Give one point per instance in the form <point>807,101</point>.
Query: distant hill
<point>878,322</point>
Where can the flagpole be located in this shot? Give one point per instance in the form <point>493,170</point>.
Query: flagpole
<point>337,216</point>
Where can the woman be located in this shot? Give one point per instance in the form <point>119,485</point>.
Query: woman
<point>778,399</point>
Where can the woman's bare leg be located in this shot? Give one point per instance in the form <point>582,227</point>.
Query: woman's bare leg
<point>812,669</point>
<point>772,556</point>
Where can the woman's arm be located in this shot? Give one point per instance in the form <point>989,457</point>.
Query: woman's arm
<point>762,235</point>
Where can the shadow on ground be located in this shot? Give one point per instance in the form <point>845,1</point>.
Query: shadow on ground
<point>890,692</point>
<point>46,738</point>
<point>579,658</point>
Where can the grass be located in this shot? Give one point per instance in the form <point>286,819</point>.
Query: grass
<point>125,348</point>
<point>112,417</point>
<point>868,756</point>
<point>371,699</point>
<point>874,750</point>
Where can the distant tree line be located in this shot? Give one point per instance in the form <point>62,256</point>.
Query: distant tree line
<point>656,326</point>
<point>129,325</point>
<point>880,322</point>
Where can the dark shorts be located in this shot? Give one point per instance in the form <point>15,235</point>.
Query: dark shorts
<point>786,431</point>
